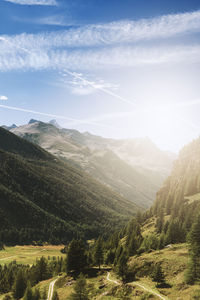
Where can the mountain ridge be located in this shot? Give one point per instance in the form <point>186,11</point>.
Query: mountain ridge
<point>135,159</point>
<point>44,198</point>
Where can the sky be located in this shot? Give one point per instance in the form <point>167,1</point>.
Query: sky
<point>120,69</point>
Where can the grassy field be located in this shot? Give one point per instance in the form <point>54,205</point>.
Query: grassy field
<point>28,254</point>
<point>193,198</point>
<point>174,262</point>
<point>173,259</point>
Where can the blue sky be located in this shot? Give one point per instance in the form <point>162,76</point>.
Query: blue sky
<point>119,69</point>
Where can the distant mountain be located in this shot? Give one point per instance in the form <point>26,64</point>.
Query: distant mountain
<point>9,127</point>
<point>54,122</point>
<point>44,198</point>
<point>32,121</point>
<point>183,185</point>
<point>135,168</point>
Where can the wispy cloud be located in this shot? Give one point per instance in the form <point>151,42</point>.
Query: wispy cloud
<point>34,2</point>
<point>56,20</point>
<point>40,59</point>
<point>120,32</point>
<point>101,46</point>
<point>3,98</point>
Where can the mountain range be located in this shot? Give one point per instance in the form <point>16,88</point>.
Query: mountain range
<point>134,168</point>
<point>43,198</point>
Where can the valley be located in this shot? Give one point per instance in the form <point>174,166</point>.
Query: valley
<point>99,150</point>
<point>133,168</point>
<point>121,252</point>
<point>174,261</point>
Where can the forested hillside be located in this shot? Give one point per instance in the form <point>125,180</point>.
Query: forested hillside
<point>133,168</point>
<point>183,182</point>
<point>162,245</point>
<point>42,198</point>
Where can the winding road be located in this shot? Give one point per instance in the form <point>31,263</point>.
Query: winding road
<point>150,291</point>
<point>139,285</point>
<point>51,289</point>
<point>114,281</point>
<point>147,289</point>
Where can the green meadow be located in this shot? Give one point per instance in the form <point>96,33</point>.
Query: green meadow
<point>28,254</point>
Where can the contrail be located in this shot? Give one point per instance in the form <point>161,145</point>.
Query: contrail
<point>55,116</point>
<point>95,86</point>
<point>75,75</point>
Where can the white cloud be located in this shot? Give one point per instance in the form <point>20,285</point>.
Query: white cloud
<point>110,34</point>
<point>3,98</point>
<point>98,58</point>
<point>55,51</point>
<point>33,2</point>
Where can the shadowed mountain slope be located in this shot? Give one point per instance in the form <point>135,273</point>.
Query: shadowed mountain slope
<point>134,168</point>
<point>43,198</point>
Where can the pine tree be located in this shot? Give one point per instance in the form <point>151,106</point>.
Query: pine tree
<point>118,254</point>
<point>98,253</point>
<point>160,222</point>
<point>76,257</point>
<point>110,256</point>
<point>41,269</point>
<point>175,233</point>
<point>28,293</point>
<point>139,217</point>
<point>2,246</point>
<point>80,289</point>
<point>55,296</point>
<point>36,294</point>
<point>133,245</point>
<point>158,275</point>
<point>122,266</point>
<point>44,295</point>
<point>19,285</point>
<point>193,272</point>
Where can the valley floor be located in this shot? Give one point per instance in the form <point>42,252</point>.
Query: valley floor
<point>104,284</point>
<point>28,254</point>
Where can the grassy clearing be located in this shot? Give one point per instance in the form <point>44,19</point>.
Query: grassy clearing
<point>193,198</point>
<point>149,227</point>
<point>174,261</point>
<point>28,254</point>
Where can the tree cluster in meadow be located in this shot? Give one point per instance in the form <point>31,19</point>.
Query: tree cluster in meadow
<point>20,280</point>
